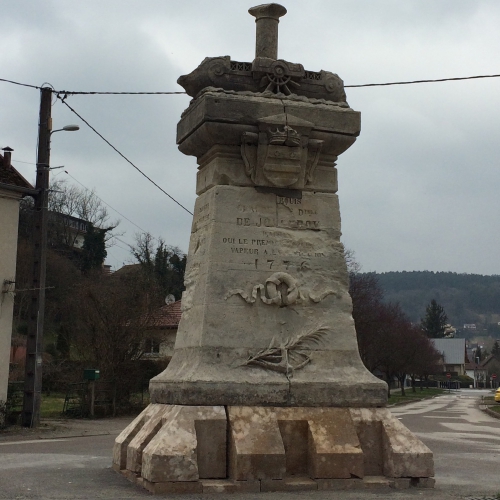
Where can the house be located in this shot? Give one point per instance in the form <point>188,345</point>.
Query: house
<point>491,366</point>
<point>13,187</point>
<point>67,230</point>
<point>476,372</point>
<point>453,354</point>
<point>162,330</point>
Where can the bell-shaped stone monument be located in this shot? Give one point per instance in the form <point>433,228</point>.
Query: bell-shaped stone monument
<point>266,389</point>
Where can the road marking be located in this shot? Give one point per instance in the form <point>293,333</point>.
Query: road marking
<point>7,443</point>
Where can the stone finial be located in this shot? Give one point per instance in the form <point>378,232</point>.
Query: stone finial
<point>267,19</point>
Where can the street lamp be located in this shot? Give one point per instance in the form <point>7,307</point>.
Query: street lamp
<point>67,128</point>
<point>34,341</point>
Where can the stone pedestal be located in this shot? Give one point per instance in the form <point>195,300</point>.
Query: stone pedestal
<point>173,448</point>
<point>266,274</point>
<point>266,390</point>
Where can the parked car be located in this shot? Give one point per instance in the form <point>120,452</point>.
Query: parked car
<point>497,396</point>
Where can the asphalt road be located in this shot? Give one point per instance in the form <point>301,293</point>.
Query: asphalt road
<point>64,465</point>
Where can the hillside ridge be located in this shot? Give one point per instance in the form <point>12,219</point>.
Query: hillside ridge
<point>466,298</point>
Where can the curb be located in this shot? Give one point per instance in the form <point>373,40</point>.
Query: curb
<point>491,413</point>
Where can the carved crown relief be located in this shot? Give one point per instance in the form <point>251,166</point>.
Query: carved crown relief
<point>281,154</point>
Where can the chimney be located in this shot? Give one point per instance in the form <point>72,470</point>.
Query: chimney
<point>7,157</point>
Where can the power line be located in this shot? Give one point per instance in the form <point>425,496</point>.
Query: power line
<point>422,81</point>
<point>112,208</point>
<point>27,162</point>
<point>66,93</point>
<point>124,242</point>
<point>90,190</point>
<point>21,84</point>
<point>123,156</point>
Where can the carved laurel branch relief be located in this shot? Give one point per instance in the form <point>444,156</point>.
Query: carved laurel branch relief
<point>280,289</point>
<point>289,356</point>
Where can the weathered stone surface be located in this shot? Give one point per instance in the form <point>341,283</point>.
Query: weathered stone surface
<point>220,118</point>
<point>172,487</point>
<point>288,484</point>
<point>423,482</point>
<point>267,328</point>
<point>403,454</point>
<point>256,449</point>
<point>172,455</point>
<point>402,483</point>
<point>340,484</point>
<point>148,431</point>
<point>376,482</point>
<point>229,486</point>
<point>332,447</point>
<point>246,246</point>
<point>124,438</point>
<point>266,20</point>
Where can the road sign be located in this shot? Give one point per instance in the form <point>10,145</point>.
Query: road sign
<point>448,375</point>
<point>494,376</point>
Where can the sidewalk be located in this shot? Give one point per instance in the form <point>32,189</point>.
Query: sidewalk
<point>66,428</point>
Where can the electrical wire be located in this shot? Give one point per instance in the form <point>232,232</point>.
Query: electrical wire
<point>21,84</point>
<point>66,93</point>
<point>123,156</point>
<point>124,242</point>
<point>27,162</point>
<point>98,197</point>
<point>70,92</point>
<point>422,81</point>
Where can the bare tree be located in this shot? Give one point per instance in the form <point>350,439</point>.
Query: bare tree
<point>387,339</point>
<point>162,264</point>
<point>67,204</point>
<point>111,328</point>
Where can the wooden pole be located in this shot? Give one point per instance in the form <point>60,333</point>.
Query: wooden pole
<point>34,344</point>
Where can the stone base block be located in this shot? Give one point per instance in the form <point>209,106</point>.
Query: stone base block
<point>173,487</point>
<point>375,482</point>
<point>184,449</point>
<point>288,484</point>
<point>228,486</point>
<point>340,484</point>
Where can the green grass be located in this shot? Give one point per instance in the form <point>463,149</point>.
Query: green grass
<point>412,396</point>
<point>52,406</point>
<point>496,408</point>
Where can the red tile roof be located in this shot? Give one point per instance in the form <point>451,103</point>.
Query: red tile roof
<point>167,316</point>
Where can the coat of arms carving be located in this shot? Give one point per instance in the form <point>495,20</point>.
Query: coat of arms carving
<point>281,154</point>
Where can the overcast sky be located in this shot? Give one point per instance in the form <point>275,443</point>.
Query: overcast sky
<point>419,190</point>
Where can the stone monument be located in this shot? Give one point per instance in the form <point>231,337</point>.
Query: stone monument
<point>266,389</point>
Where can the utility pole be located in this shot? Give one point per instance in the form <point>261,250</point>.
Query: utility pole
<point>33,370</point>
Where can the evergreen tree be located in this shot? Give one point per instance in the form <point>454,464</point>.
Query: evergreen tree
<point>94,248</point>
<point>478,355</point>
<point>435,320</point>
<point>496,349</point>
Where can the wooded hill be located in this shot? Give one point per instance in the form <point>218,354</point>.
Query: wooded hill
<point>466,298</point>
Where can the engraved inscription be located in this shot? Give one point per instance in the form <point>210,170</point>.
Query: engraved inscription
<point>201,216</point>
<point>288,201</point>
<point>256,222</point>
<point>295,213</point>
